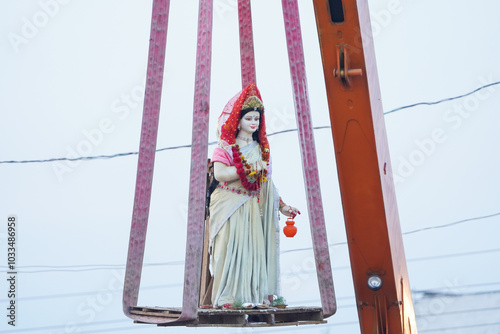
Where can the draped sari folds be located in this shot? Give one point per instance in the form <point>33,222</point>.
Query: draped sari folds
<point>244,229</point>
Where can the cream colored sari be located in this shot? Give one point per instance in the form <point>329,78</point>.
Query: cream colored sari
<point>244,239</point>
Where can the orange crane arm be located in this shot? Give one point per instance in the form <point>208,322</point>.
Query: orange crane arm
<point>364,168</point>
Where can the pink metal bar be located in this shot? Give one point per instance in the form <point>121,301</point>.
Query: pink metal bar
<point>199,153</point>
<point>147,149</point>
<point>309,161</point>
<point>246,43</point>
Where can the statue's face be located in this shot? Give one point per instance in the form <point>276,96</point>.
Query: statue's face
<point>249,123</point>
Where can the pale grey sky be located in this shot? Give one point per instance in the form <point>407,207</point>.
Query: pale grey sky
<point>72,76</point>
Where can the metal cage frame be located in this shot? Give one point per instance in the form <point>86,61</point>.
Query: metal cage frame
<point>199,151</point>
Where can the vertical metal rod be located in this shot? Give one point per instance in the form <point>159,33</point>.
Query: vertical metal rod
<point>196,216</point>
<point>199,153</point>
<point>151,113</point>
<point>246,43</point>
<point>308,151</point>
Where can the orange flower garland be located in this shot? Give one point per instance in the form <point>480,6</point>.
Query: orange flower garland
<point>240,162</point>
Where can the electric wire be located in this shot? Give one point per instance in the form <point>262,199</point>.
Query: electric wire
<point>333,324</point>
<point>84,268</point>
<point>445,256</point>
<point>441,313</point>
<point>300,328</point>
<point>174,285</point>
<point>452,224</point>
<point>427,258</point>
<point>443,100</point>
<point>465,286</point>
<point>87,293</point>
<point>406,233</point>
<point>56,327</point>
<point>118,155</point>
<point>99,267</point>
<point>459,327</point>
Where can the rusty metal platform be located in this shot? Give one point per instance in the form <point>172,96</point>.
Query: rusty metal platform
<point>243,317</point>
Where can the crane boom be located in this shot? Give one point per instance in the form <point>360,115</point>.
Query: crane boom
<point>364,168</point>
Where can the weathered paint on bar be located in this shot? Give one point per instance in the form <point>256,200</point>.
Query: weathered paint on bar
<point>146,159</point>
<point>246,43</point>
<point>199,151</point>
<point>309,160</point>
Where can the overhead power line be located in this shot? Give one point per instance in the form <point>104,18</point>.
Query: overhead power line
<point>94,267</point>
<point>44,329</point>
<point>475,326</point>
<point>274,330</point>
<point>87,267</point>
<point>118,155</point>
<point>451,224</point>
<point>408,232</point>
<point>443,100</point>
<point>427,258</point>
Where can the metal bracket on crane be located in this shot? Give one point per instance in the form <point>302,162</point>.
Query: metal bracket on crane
<point>343,71</point>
